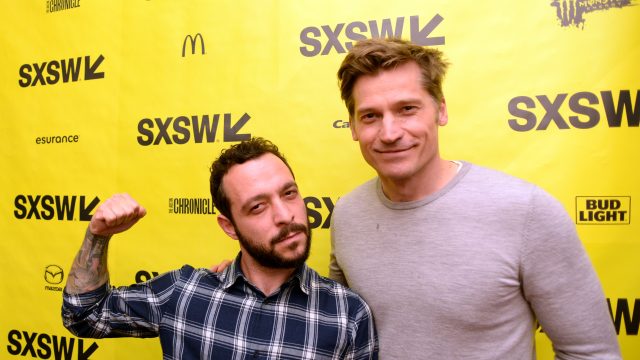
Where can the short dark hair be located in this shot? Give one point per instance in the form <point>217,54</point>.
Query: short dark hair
<point>237,154</point>
<point>368,57</point>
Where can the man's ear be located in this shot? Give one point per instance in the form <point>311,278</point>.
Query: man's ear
<point>227,226</point>
<point>443,115</point>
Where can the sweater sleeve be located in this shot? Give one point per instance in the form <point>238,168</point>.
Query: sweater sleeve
<point>561,285</point>
<point>335,271</point>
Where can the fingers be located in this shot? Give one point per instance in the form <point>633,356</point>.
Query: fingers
<point>120,209</point>
<point>118,213</point>
<point>220,267</point>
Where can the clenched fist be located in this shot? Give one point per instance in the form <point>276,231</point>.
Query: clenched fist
<point>115,215</point>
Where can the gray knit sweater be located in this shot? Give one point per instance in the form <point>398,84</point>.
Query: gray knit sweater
<point>465,273</point>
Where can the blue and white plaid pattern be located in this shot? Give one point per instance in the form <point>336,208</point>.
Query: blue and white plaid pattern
<point>199,314</point>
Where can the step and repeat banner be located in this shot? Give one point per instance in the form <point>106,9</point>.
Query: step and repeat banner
<point>139,96</point>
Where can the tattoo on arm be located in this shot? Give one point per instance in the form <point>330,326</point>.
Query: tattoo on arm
<point>89,269</point>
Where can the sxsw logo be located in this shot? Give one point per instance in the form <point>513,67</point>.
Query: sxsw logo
<point>624,315</point>
<point>583,110</point>
<point>603,210</point>
<point>50,207</point>
<point>324,39</point>
<point>47,346</point>
<point>319,210</point>
<point>195,128</point>
<point>65,70</point>
<point>192,41</point>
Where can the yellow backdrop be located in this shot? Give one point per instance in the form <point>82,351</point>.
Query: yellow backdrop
<point>100,97</point>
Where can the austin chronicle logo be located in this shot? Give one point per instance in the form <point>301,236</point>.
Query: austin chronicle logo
<point>53,274</point>
<point>192,41</point>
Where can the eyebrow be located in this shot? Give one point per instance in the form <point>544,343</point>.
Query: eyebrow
<point>359,111</point>
<point>285,186</point>
<point>402,102</point>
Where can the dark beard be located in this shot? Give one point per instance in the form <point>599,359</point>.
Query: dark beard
<point>268,257</point>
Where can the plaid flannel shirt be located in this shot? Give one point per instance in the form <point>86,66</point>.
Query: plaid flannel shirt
<point>199,314</point>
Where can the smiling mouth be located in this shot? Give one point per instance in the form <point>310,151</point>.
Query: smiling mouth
<point>392,151</point>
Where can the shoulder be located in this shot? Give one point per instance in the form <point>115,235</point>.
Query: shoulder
<point>366,190</point>
<point>188,270</point>
<point>541,207</point>
<point>359,201</point>
<point>342,294</point>
<point>481,174</point>
<point>500,193</point>
<point>511,186</point>
<point>492,183</point>
<point>187,274</point>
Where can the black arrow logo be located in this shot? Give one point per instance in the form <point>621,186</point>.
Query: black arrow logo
<point>421,36</point>
<point>85,211</point>
<point>231,132</point>
<point>83,355</point>
<point>90,71</point>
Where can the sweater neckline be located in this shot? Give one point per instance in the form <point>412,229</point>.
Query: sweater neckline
<point>407,205</point>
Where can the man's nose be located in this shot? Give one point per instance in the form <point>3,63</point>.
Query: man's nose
<point>282,213</point>
<point>390,130</point>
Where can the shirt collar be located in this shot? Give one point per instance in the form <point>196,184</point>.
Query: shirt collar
<point>303,275</point>
<point>229,275</point>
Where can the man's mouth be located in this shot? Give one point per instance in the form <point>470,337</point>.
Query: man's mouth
<point>287,237</point>
<point>292,234</point>
<point>289,232</point>
<point>392,151</point>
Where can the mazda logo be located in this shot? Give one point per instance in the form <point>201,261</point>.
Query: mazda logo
<point>53,274</point>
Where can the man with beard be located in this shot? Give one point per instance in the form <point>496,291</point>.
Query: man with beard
<point>266,304</point>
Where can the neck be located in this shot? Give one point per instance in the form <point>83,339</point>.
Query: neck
<point>432,179</point>
<point>267,280</point>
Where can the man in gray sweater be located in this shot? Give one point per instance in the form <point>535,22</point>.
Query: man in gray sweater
<point>456,261</point>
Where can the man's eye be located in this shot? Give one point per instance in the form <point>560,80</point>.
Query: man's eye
<point>257,208</point>
<point>368,117</point>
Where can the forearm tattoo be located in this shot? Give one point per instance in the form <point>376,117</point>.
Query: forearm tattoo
<point>89,269</point>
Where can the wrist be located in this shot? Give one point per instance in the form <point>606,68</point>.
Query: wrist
<point>90,235</point>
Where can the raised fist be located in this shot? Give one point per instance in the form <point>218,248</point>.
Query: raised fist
<point>115,215</point>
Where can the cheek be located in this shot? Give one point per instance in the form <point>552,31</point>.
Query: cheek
<point>422,128</point>
<point>252,228</point>
<point>366,149</point>
<point>365,135</point>
<point>301,212</point>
